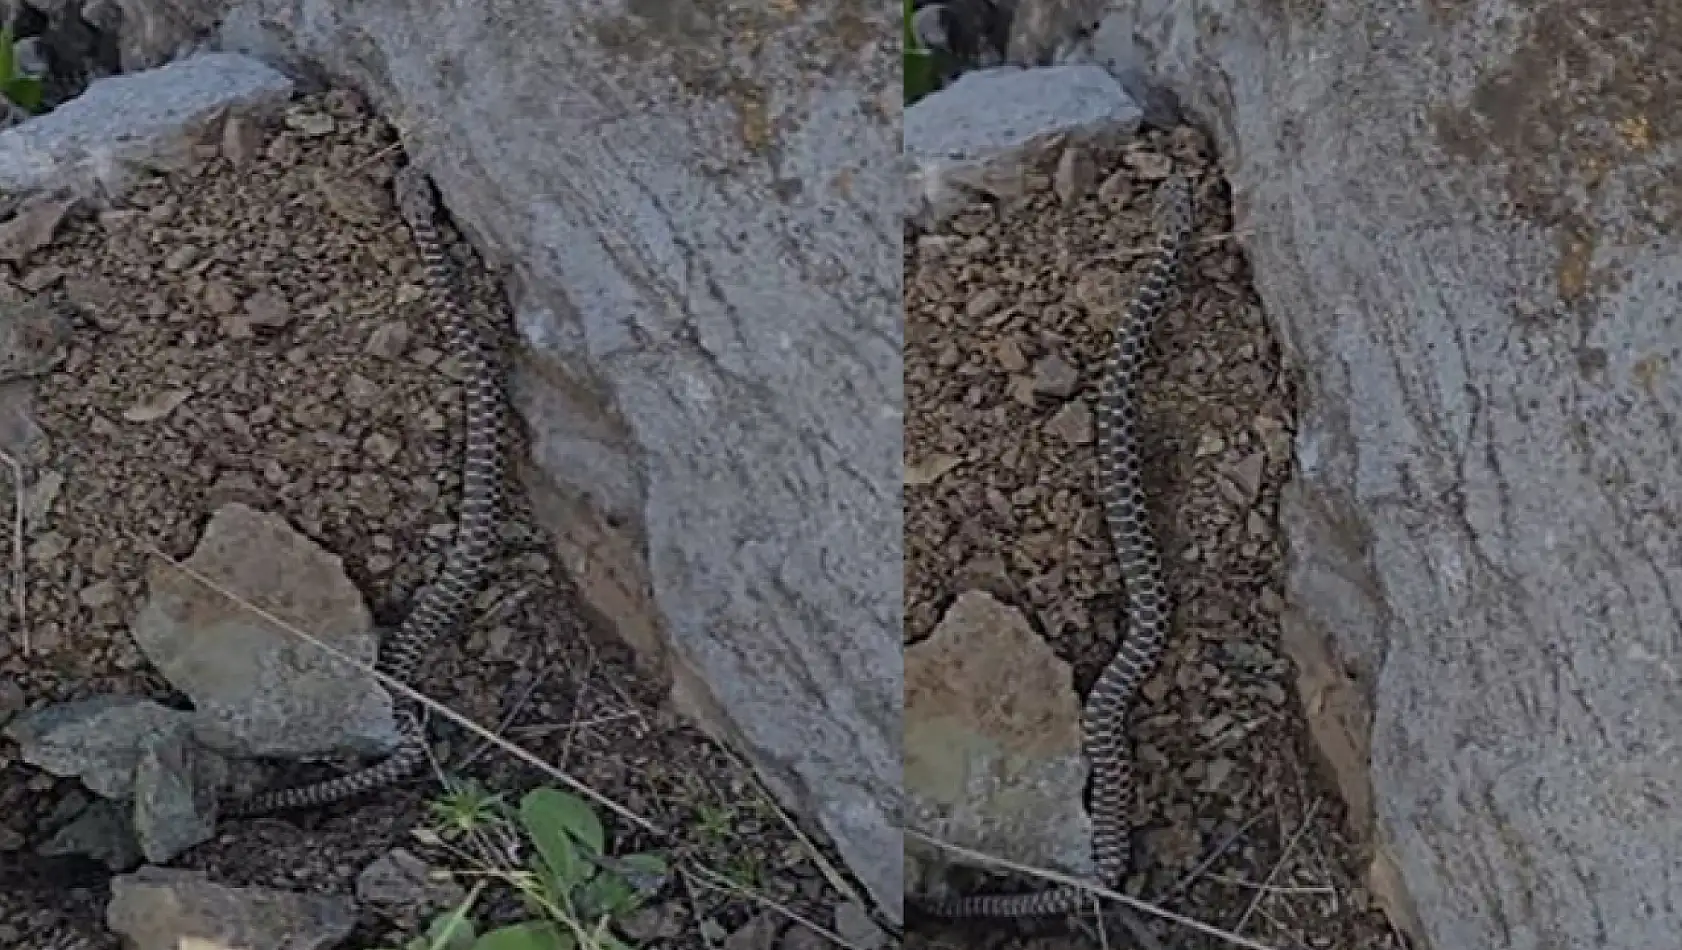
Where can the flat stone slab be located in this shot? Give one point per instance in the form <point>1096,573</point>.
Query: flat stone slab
<point>996,110</point>
<point>981,135</point>
<point>138,119</point>
<point>999,776</point>
<point>257,688</point>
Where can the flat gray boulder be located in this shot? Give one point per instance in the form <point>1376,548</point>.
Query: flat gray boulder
<point>163,909</point>
<point>144,119</point>
<point>258,689</point>
<point>977,136</point>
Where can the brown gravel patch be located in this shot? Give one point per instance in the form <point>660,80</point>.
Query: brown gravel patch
<point>1008,310</point>
<point>277,309</point>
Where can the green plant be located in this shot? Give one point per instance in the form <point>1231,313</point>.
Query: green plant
<point>712,823</point>
<point>572,888</point>
<point>921,77</point>
<point>23,91</point>
<point>465,807</point>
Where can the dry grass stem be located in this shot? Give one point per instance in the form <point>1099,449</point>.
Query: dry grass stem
<point>1203,865</point>
<point>1290,848</point>
<point>831,874</point>
<point>507,723</point>
<point>1066,880</point>
<point>1319,889</point>
<point>403,688</point>
<point>712,880</point>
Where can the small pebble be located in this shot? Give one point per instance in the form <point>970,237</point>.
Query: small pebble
<point>389,340</point>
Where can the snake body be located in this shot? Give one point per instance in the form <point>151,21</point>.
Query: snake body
<point>443,604</point>
<point>1122,491</point>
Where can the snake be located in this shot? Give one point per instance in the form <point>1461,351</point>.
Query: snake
<point>442,605</point>
<point>1121,490</point>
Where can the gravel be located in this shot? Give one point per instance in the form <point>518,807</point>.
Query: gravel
<point>1008,309</point>
<point>251,328</point>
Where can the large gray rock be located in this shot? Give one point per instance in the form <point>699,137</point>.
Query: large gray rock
<point>1465,224</point>
<point>258,689</point>
<point>706,248</point>
<point>97,140</point>
<point>979,135</point>
<point>167,909</point>
<point>998,777</point>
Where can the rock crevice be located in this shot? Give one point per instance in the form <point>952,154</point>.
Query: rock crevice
<point>1474,284</point>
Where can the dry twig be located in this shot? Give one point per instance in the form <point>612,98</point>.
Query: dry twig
<point>1290,847</point>
<point>712,880</point>
<point>1066,880</point>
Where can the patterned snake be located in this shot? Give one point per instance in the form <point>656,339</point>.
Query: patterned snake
<point>442,604</point>
<point>1121,487</point>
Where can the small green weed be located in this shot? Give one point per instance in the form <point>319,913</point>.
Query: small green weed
<point>713,824</point>
<point>23,91</point>
<point>921,77</point>
<point>573,890</point>
<point>464,808</point>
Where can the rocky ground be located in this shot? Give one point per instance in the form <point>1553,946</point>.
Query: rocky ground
<point>250,328</point>
<point>1007,311</point>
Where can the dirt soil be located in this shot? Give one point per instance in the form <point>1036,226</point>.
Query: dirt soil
<point>258,334</point>
<point>1008,314</point>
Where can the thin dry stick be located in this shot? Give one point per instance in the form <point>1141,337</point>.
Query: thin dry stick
<point>1066,880</point>
<point>396,686</point>
<point>20,592</point>
<point>1236,732</point>
<point>578,697</point>
<point>1290,846</point>
<point>1238,882</point>
<point>1136,927</point>
<point>369,162</point>
<point>1203,865</point>
<point>541,729</point>
<point>829,871</point>
<point>713,880</point>
<point>507,723</point>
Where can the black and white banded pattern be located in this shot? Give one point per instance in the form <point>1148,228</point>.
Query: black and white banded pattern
<point>1122,491</point>
<point>443,604</point>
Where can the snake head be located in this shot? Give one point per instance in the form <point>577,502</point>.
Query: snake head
<point>413,191</point>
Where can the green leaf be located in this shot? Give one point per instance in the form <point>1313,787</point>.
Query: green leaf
<point>557,868</point>
<point>25,91</point>
<point>558,824</point>
<point>451,931</point>
<point>646,864</point>
<point>608,895</point>
<point>556,808</point>
<point>531,935</point>
<point>537,887</point>
<point>8,58</point>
